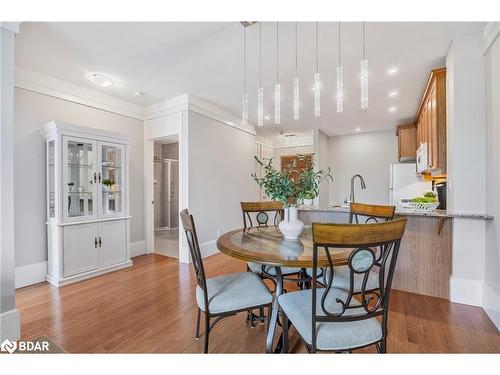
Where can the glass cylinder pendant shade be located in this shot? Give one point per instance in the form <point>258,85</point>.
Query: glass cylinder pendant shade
<point>340,89</point>
<point>277,103</point>
<point>364,84</point>
<point>260,106</point>
<point>244,109</point>
<point>317,95</point>
<point>296,114</point>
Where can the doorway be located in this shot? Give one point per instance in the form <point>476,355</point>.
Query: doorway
<point>166,197</point>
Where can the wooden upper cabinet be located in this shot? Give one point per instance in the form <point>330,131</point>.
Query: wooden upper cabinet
<point>407,142</point>
<point>431,120</point>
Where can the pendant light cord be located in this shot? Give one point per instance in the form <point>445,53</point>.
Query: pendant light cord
<point>296,53</point>
<point>339,46</point>
<point>277,55</point>
<point>244,59</point>
<point>317,42</point>
<point>260,54</point>
<point>364,42</point>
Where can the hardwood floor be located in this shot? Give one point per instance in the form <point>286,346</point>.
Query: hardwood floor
<point>150,308</point>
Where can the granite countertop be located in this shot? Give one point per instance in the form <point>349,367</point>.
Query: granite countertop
<point>403,212</point>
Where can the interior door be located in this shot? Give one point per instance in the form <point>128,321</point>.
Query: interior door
<point>79,179</point>
<point>112,242</point>
<point>80,248</point>
<point>111,179</point>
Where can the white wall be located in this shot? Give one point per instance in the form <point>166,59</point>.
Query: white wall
<point>491,295</point>
<point>32,110</point>
<point>368,154</point>
<point>466,160</point>
<point>321,155</point>
<point>220,166</point>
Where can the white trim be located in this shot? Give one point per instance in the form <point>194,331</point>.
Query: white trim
<point>11,26</point>
<point>491,305</point>
<point>47,85</point>
<point>490,34</point>
<point>209,248</point>
<point>298,141</point>
<point>466,291</point>
<point>137,248</point>
<point>10,323</point>
<point>87,275</point>
<point>166,107</point>
<point>31,274</point>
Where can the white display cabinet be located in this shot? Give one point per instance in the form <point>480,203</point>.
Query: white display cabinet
<point>88,222</point>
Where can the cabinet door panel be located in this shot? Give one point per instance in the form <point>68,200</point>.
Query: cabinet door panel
<point>80,249</point>
<point>112,179</point>
<point>113,236</point>
<point>79,179</point>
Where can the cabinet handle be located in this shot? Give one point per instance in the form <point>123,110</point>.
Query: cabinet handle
<point>100,241</point>
<point>95,177</point>
<point>99,177</point>
<point>95,242</point>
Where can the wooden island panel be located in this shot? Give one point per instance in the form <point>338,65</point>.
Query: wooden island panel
<point>424,261</point>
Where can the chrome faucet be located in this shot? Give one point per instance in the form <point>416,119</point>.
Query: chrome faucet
<point>363,186</point>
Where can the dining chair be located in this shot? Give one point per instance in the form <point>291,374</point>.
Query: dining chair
<point>261,212</point>
<point>222,296</point>
<point>332,319</point>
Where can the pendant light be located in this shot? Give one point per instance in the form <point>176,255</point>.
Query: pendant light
<point>277,86</point>
<point>296,114</point>
<point>244,98</point>
<point>340,82</point>
<point>260,90</point>
<point>364,74</point>
<point>316,89</point>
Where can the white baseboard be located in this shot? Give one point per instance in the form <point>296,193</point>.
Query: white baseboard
<point>10,324</point>
<point>31,274</point>
<point>466,291</point>
<point>209,248</point>
<point>137,248</point>
<point>491,305</point>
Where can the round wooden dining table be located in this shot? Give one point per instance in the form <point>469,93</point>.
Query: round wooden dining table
<point>266,245</point>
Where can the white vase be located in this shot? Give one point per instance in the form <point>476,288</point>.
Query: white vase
<point>291,227</point>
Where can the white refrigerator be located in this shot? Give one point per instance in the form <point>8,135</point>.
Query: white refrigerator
<point>404,183</point>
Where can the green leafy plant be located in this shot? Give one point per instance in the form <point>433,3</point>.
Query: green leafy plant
<point>290,185</point>
<point>108,182</point>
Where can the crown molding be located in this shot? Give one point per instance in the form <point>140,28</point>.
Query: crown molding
<point>11,26</point>
<point>50,86</point>
<point>490,34</point>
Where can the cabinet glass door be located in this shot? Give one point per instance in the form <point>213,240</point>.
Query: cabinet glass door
<point>112,179</point>
<point>79,178</point>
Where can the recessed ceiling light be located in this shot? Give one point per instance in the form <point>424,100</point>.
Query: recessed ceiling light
<point>393,70</point>
<point>392,109</point>
<point>267,117</point>
<point>357,129</point>
<point>393,93</point>
<point>101,80</point>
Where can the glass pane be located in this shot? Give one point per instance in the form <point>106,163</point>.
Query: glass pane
<point>80,179</point>
<point>51,177</point>
<point>111,179</point>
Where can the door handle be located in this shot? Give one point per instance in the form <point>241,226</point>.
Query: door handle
<point>100,241</point>
<point>95,242</point>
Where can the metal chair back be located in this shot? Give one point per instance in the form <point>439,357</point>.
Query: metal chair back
<point>261,210</point>
<point>371,213</point>
<point>194,250</point>
<point>361,238</point>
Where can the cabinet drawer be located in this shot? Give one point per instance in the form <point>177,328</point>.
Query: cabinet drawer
<point>81,254</point>
<point>113,235</point>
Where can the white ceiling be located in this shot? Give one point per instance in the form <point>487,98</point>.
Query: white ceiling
<point>205,59</point>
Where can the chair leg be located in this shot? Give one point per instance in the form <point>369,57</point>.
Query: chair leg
<point>383,346</point>
<point>268,317</point>
<point>261,315</point>
<point>284,330</point>
<point>198,324</point>
<point>207,332</point>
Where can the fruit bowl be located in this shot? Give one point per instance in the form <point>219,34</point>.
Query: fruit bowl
<point>423,206</point>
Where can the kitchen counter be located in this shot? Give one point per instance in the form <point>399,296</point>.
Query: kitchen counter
<point>402,212</point>
<point>424,261</point>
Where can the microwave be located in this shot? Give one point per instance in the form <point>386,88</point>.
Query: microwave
<point>422,157</point>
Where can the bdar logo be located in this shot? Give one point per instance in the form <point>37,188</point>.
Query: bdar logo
<point>8,346</point>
